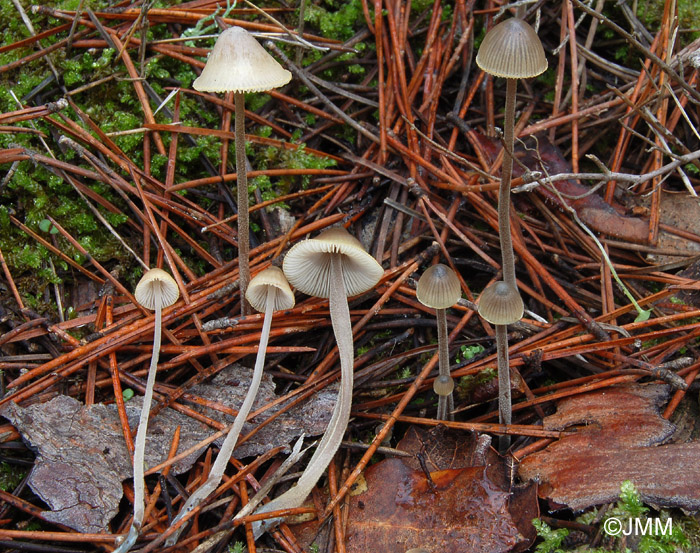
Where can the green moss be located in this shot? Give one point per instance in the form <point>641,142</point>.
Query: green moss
<point>336,19</point>
<point>650,12</point>
<point>629,508</point>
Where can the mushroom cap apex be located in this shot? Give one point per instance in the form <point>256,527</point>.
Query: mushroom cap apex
<point>153,280</point>
<point>501,304</point>
<point>307,264</point>
<point>238,63</point>
<point>438,287</point>
<point>270,281</point>
<point>512,50</point>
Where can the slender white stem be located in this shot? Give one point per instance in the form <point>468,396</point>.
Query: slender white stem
<point>342,328</point>
<point>140,442</point>
<point>229,444</point>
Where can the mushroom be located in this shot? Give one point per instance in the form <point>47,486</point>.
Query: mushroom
<point>239,64</point>
<point>501,305</point>
<point>511,50</point>
<point>334,265</point>
<point>268,291</point>
<point>438,287</point>
<point>156,290</point>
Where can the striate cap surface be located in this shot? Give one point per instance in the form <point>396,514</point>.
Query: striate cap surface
<point>438,287</point>
<point>501,304</point>
<point>307,265</point>
<point>156,280</point>
<point>270,281</point>
<point>512,50</point>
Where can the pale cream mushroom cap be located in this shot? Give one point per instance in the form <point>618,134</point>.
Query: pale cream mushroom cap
<point>307,265</point>
<point>438,287</point>
<point>270,281</point>
<point>512,50</point>
<point>238,63</point>
<point>501,304</point>
<point>146,288</point>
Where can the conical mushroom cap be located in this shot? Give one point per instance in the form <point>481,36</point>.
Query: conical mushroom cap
<point>238,63</point>
<point>145,292</point>
<point>501,304</point>
<point>438,287</point>
<point>307,265</point>
<point>512,50</point>
<point>270,281</point>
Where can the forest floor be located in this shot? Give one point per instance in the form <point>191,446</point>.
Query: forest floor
<point>112,163</point>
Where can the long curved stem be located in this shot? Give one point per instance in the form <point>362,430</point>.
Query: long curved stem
<point>141,432</point>
<point>504,400</point>
<point>504,190</point>
<point>342,328</point>
<point>445,403</point>
<point>229,444</point>
<point>242,186</point>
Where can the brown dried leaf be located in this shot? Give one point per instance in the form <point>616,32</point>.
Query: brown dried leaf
<point>463,511</point>
<point>618,442</point>
<point>444,449</point>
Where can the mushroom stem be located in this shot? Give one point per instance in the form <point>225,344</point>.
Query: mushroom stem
<point>141,432</point>
<point>504,400</point>
<point>242,186</point>
<point>445,403</point>
<point>229,444</point>
<point>330,441</point>
<point>504,190</point>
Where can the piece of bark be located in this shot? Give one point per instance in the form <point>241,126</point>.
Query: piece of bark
<point>82,459</point>
<point>619,437</point>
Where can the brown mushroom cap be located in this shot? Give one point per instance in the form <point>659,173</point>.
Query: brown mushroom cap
<point>512,50</point>
<point>438,287</point>
<point>501,304</point>
<point>307,265</point>
<point>145,292</point>
<point>238,63</point>
<point>270,281</point>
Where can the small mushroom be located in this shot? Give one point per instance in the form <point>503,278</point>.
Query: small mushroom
<point>156,290</point>
<point>438,287</point>
<point>511,50</point>
<point>333,265</point>
<point>501,305</point>
<point>239,64</point>
<point>267,292</point>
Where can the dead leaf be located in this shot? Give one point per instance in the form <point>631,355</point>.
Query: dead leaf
<point>460,511</point>
<point>444,449</point>
<point>620,429</point>
<point>82,460</point>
